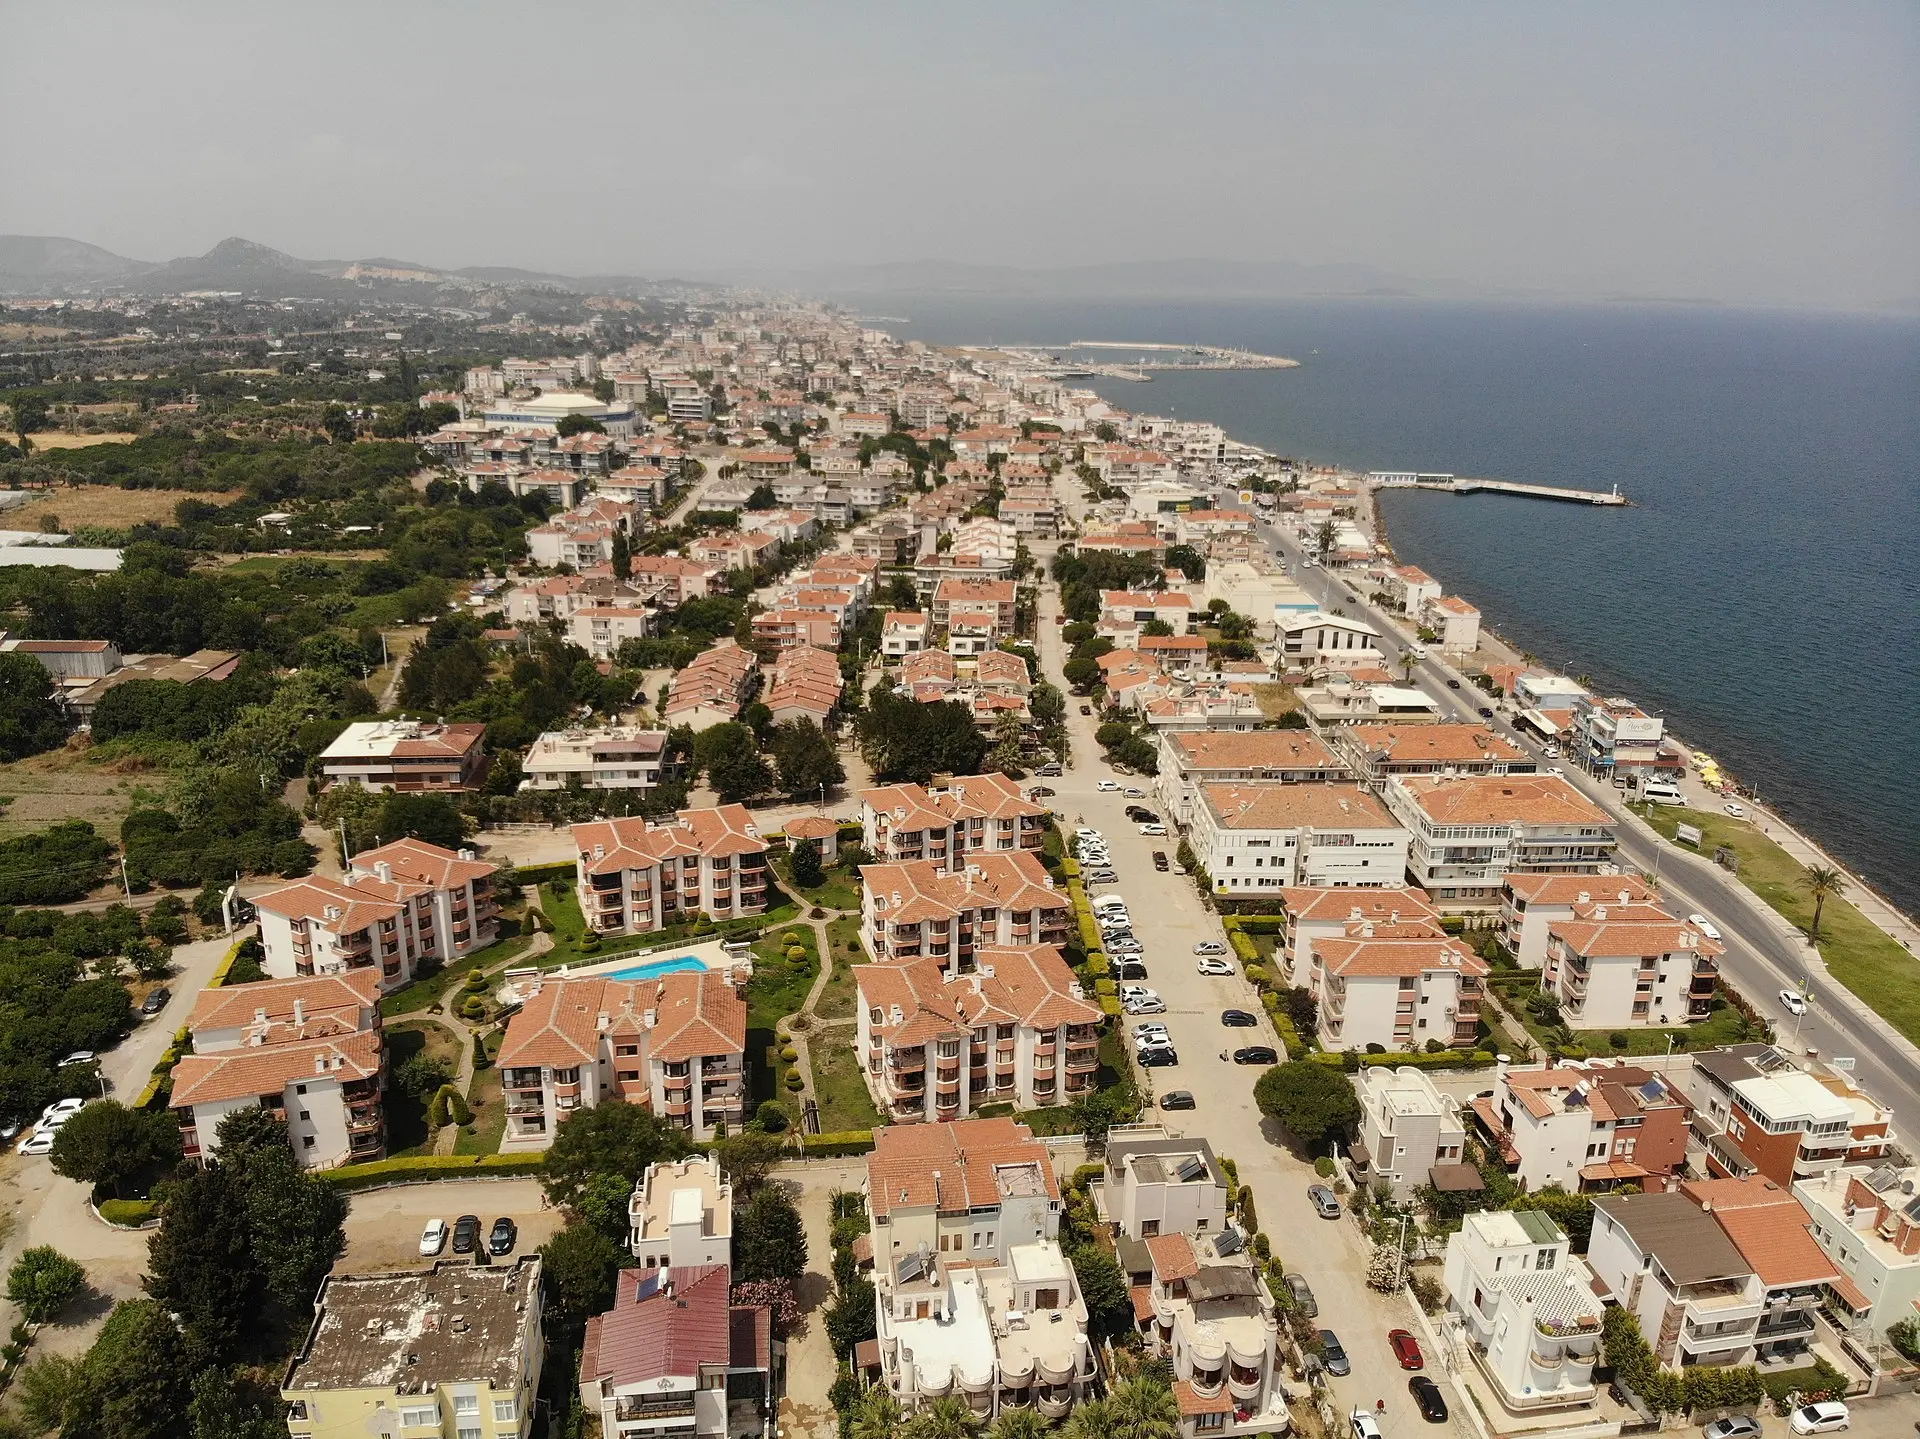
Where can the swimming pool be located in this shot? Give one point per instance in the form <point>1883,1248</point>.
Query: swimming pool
<point>683,964</point>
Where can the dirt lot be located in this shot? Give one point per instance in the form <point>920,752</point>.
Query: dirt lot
<point>56,440</point>
<point>383,1225</point>
<point>106,504</point>
<point>63,785</point>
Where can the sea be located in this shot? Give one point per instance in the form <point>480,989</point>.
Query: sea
<point>1762,593</point>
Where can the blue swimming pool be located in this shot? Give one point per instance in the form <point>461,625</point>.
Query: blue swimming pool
<point>653,969</point>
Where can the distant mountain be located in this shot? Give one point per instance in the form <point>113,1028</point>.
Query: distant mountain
<point>31,263</point>
<point>237,264</point>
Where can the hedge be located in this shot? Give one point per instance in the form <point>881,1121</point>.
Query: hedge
<point>220,970</point>
<point>1262,923</point>
<point>1069,866</point>
<point>182,1045</point>
<point>1247,951</point>
<point>847,1141</point>
<point>128,1213</point>
<point>419,1168</point>
<point>1445,1059</point>
<point>533,874</point>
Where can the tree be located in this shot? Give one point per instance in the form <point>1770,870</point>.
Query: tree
<point>1104,1287</point>
<point>338,424</point>
<point>762,497</point>
<point>604,1204</point>
<point>1020,1424</point>
<point>622,556</point>
<point>620,1139</point>
<point>947,1417</point>
<point>1048,705</point>
<point>731,758</point>
<point>43,1388</point>
<point>769,1237</point>
<point>202,1263</point>
<point>298,1223</point>
<point>1822,883</point>
<point>1572,1212</point>
<point>876,1414</point>
<point>30,717</point>
<point>806,758</point>
<point>1324,537</point>
<point>806,864</point>
<point>906,741</point>
<point>1143,1409</point>
<point>42,1282</point>
<point>749,1157</point>
<point>136,1380</point>
<point>30,413</point>
<point>851,1318</point>
<point>578,425</point>
<point>226,1406</point>
<point>111,1146</point>
<point>581,1266</point>
<point>1309,1101</point>
<point>1091,1419</point>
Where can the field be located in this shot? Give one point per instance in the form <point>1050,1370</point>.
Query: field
<point>58,440</point>
<point>62,785</point>
<point>106,505</point>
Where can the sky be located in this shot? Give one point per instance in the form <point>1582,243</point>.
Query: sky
<point>1749,152</point>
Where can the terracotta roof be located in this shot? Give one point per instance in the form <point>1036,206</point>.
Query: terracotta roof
<point>1253,749</point>
<point>1350,904</point>
<point>1568,889</point>
<point>633,843</point>
<point>558,1024</point>
<point>966,1155</point>
<point>255,1070</point>
<point>1503,799</point>
<point>1295,806</point>
<point>423,863</point>
<point>1173,1257</point>
<point>1769,1227</point>
<point>233,1006</point>
<point>311,898</point>
<point>663,1322</point>
<point>1004,881</point>
<point>1142,1297</point>
<point>812,827</point>
<point>1354,958</point>
<point>698,1014</point>
<point>1434,743</point>
<point>1632,936</point>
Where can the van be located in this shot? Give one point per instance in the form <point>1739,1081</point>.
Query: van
<point>1418,651</point>
<point>1108,903</point>
<point>1659,792</point>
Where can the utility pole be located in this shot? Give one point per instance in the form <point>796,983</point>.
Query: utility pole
<point>345,855</point>
<point>1400,1267</point>
<point>125,883</point>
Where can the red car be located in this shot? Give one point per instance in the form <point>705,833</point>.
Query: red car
<point>1406,1349</point>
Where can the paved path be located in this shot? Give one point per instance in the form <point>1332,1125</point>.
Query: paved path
<point>805,1412</point>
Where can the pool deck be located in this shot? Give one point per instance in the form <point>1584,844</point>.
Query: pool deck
<point>710,955</point>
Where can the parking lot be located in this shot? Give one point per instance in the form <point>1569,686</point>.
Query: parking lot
<point>384,1225</point>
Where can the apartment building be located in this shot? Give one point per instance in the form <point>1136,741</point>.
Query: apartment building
<point>1316,914</point>
<point>309,1050</point>
<point>1470,833</point>
<point>402,905</point>
<point>974,1296</point>
<point>1455,621</point>
<point>1527,1305</point>
<point>1774,1236</point>
<point>789,627</point>
<point>1159,1183</point>
<point>1207,1312</point>
<point>997,901</point>
<point>1191,758</point>
<point>453,1351</point>
<point>1664,1260</point>
<point>1866,1219</point>
<point>1131,611</point>
<point>1398,993</point>
<point>600,630</point>
<point>805,683</point>
<point>1375,751</point>
<point>744,552</point>
<point>1316,640</point>
<point>407,755</point>
<point>1254,839</point>
<point>995,597</point>
<point>936,1044</point>
<point>676,1044</point>
<point>979,814</point>
<point>1531,904</point>
<point>713,688</point>
<point>1586,1126</point>
<point>636,875</point>
<point>1760,1113</point>
<point>607,757</point>
<point>1407,1127</point>
<point>1615,737</point>
<point>1627,966</point>
<point>680,1215</point>
<point>903,633</point>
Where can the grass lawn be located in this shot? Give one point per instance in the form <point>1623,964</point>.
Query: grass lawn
<point>1723,1026</point>
<point>838,889</point>
<point>49,789</point>
<point>837,999</point>
<point>407,1131</point>
<point>839,1087</point>
<point>424,994</point>
<point>776,990</point>
<point>1859,954</point>
<point>489,1113</point>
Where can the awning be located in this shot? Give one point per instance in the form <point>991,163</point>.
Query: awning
<point>866,1354</point>
<point>1456,1179</point>
<point>1611,1173</point>
<point>1849,1294</point>
<point>1536,719</point>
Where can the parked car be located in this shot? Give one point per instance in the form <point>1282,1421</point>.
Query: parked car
<point>1735,808</point>
<point>1155,1005</point>
<point>1154,831</point>
<point>1363,1424</point>
<point>38,1142</point>
<point>1139,813</point>
<point>1325,1202</point>
<point>1039,791</point>
<point>1210,946</point>
<point>1136,991</point>
<point>1734,1426</point>
<point>79,1056</point>
<point>1102,876</point>
<point>1086,709</point>
<point>1215,966</point>
<point>1146,1043</point>
<point>1152,1026</point>
<point>1134,793</point>
<point>1237,1019</point>
<point>433,1238</point>
<point>1428,1398</point>
<point>1128,945</point>
<point>1160,860</point>
<point>1048,771</point>
<point>1704,925</point>
<point>1130,969</point>
<point>1159,1057</point>
<point>155,1002</point>
<point>1453,684</point>
<point>505,1235</point>
<point>1334,1354</point>
<point>1406,1349</point>
<point>466,1233</point>
<point>1796,1003</point>
<point>1107,786</point>
<point>1256,1054</point>
<point>1302,1291</point>
<point>55,1114</point>
<point>1177,1099</point>
<point>1821,1418</point>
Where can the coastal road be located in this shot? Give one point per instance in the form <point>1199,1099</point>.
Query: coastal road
<point>1764,954</point>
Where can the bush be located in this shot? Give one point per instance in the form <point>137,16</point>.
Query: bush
<point>1618,1039</point>
<point>828,1146</point>
<point>1257,976</point>
<point>476,981</point>
<point>790,938</point>
<point>414,1168</point>
<point>473,1007</point>
<point>772,1116</point>
<point>1323,1167</point>
<point>42,1282</point>
<point>790,1055</point>
<point>128,1213</point>
<point>794,1081</point>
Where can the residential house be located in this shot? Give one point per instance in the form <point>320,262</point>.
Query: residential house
<point>1208,1313</point>
<point>787,628</point>
<point>713,688</point>
<point>1663,1259</point>
<point>743,552</point>
<point>1407,1128</point>
<point>1470,833</point>
<point>1527,1306</point>
<point>1455,621</point>
<point>1376,751</point>
<point>636,875</point>
<point>928,675</point>
<point>998,901</point>
<point>1867,1219</point>
<point>453,1351</point>
<point>1759,1112</point>
<point>1530,904</point>
<point>1251,838</point>
<point>1774,1235</point>
<point>600,630</point>
<point>605,757</point>
<point>1627,966</point>
<point>676,1044</point>
<point>971,596</point>
<point>1586,1126</point>
<point>407,755</point>
<point>1316,914</point>
<point>680,1215</point>
<point>1397,993</point>
<point>979,814</point>
<point>1326,641</point>
<point>1617,739</point>
<point>805,683</point>
<point>1158,1183</point>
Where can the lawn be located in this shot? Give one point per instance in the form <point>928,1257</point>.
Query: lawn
<point>1859,953</point>
<point>424,994</point>
<point>489,1114</point>
<point>777,990</point>
<point>407,1131</point>
<point>839,1086</point>
<point>1723,1026</point>
<point>838,998</point>
<point>49,789</point>
<point>837,890</point>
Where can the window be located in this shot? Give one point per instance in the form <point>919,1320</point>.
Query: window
<point>1544,1259</point>
<point>467,1431</point>
<point>420,1418</point>
<point>306,1141</point>
<point>1204,1422</point>
<point>466,1404</point>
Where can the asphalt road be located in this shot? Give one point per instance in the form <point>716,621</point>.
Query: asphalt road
<point>1764,953</point>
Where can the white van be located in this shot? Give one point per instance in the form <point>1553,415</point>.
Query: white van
<point>1661,792</point>
<point>1107,903</point>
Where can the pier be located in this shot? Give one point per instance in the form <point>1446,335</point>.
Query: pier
<point>1458,485</point>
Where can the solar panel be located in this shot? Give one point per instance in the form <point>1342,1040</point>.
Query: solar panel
<point>1912,1211</point>
<point>648,1286</point>
<point>1190,1169</point>
<point>1652,1089</point>
<point>911,1268</point>
<point>1883,1178</point>
<point>1228,1242</point>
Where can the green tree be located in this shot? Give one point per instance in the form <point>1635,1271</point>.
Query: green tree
<point>749,1157</point>
<point>729,754</point>
<point>621,1139</point>
<point>225,1405</point>
<point>1020,1424</point>
<point>338,424</point>
<point>111,1146</point>
<point>806,758</point>
<point>807,872</point>
<point>603,1206</point>
<point>1572,1212</point>
<point>876,1414</point>
<point>43,1388</point>
<point>622,556</point>
<point>202,1263</point>
<point>1324,538</point>
<point>578,425</point>
<point>769,1237</point>
<point>136,1380</point>
<point>30,717</point>
<point>1048,705</point>
<point>1143,1409</point>
<point>851,1317</point>
<point>1310,1101</point>
<point>30,412</point>
<point>298,1224</point>
<point>1104,1287</point>
<point>42,1282</point>
<point>1823,883</point>
<point>1091,1419</point>
<point>581,1266</point>
<point>947,1417</point>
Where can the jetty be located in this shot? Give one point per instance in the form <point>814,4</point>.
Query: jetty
<point>1462,485</point>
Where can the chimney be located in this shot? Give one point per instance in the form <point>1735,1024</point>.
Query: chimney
<point>384,871</point>
<point>260,1016</point>
<point>599,851</point>
<point>299,1012</point>
<point>1583,898</point>
<point>319,1064</point>
<point>1600,914</point>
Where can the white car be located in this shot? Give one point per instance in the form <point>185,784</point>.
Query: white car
<point>1109,904</point>
<point>433,1238</point>
<point>1137,991</point>
<point>1084,833</point>
<point>1704,925</point>
<point>57,1112</point>
<point>1795,1001</point>
<point>1150,1027</point>
<point>1735,808</point>
<point>1153,1005</point>
<point>1154,830</point>
<point>1210,946</point>
<point>1819,1418</point>
<point>38,1142</point>
<point>1215,966</point>
<point>1106,786</point>
<point>79,1056</point>
<point>1114,917</point>
<point>1365,1426</point>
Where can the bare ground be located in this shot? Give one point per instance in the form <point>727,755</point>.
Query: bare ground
<point>107,505</point>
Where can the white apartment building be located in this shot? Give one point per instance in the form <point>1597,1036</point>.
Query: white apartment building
<point>1586,1126</point>
<point>1325,641</point>
<point>676,1044</point>
<point>1158,1183</point>
<point>407,755</point>
<point>999,901</point>
<point>1531,904</point>
<point>1867,1219</point>
<point>1667,1262</point>
<point>1627,966</point>
<point>1397,993</point>
<point>1254,839</point>
<point>1211,1317</point>
<point>681,1215</point>
<point>977,814</point>
<point>1406,1127</point>
<point>636,875</point>
<point>903,633</point>
<point>400,905</point>
<point>1455,621</point>
<point>1015,1029</point>
<point>609,757</point>
<point>1190,758</point>
<point>600,630</point>
<point>1470,833</point>
<point>1527,1305</point>
<point>1376,751</point>
<point>1317,914</point>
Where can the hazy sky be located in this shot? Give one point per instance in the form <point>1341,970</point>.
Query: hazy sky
<point>1751,152</point>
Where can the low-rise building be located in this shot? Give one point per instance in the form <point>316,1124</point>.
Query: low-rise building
<point>978,814</point>
<point>1774,1235</point>
<point>1397,993</point>
<point>680,1215</point>
<point>1866,1218</point>
<point>995,597</point>
<point>1618,739</point>
<point>1586,1126</point>
<point>1759,1112</point>
<point>676,1044</point>
<point>407,755</point>
<point>713,688</point>
<point>805,683</point>
<point>1190,758</point>
<point>998,901</point>
<point>1207,1312</point>
<point>1527,1306</point>
<point>1470,833</point>
<point>1375,751</point>
<point>608,757</point>
<point>904,632</point>
<point>1326,641</point>
<point>454,1351</point>
<point>1407,1127</point>
<point>1455,621</point>
<point>1627,966</point>
<point>636,876</point>
<point>600,630</point>
<point>1531,904</point>
<point>1665,1261</point>
<point>1316,914</point>
<point>1159,1183</point>
<point>1252,838</point>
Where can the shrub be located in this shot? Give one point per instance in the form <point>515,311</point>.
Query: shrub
<point>1618,1039</point>
<point>476,981</point>
<point>408,1169</point>
<point>796,955</point>
<point>128,1213</point>
<point>1262,1246</point>
<point>790,1054</point>
<point>794,1081</point>
<point>1427,1292</point>
<point>1257,976</point>
<point>473,1007</point>
<point>772,1116</point>
<point>42,1282</point>
<point>790,938</point>
<point>1323,1167</point>
<point>850,1141</point>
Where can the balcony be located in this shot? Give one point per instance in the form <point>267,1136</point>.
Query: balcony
<point>1206,1382</point>
<point>1243,1383</point>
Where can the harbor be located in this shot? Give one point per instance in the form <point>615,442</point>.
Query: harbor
<point>1057,362</point>
<point>1462,485</point>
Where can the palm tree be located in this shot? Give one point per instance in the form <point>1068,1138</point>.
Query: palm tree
<point>1408,664</point>
<point>1144,1409</point>
<point>875,1416</point>
<point>1092,1419</point>
<point>1823,882</point>
<point>945,1418</point>
<point>1019,1424</point>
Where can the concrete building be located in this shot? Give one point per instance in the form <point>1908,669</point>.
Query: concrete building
<point>1866,1218</point>
<point>1208,1313</point>
<point>978,814</point>
<point>681,1215</point>
<point>1158,1183</point>
<point>1253,839</point>
<point>1617,739</point>
<point>1531,904</point>
<point>1527,1306</point>
<point>1586,1126</point>
<point>636,876</point>
<point>998,901</point>
<point>1407,1127</point>
<point>1760,1113</point>
<point>600,630</point>
<point>1665,1261</point>
<point>407,755</point>
<point>1773,1234</point>
<point>1190,758</point>
<point>676,1044</point>
<point>1470,833</point>
<point>1316,640</point>
<point>1397,993</point>
<point>713,688</point>
<point>1455,621</point>
<point>1376,751</point>
<point>1626,966</point>
<point>1316,914</point>
<point>454,1352</point>
<point>609,757</point>
<point>903,633</point>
